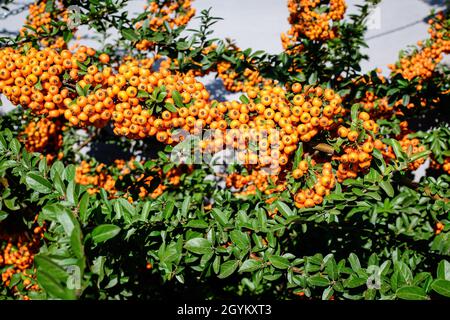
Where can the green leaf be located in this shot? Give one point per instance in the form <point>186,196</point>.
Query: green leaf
<point>146,210</point>
<point>219,216</point>
<point>77,245</point>
<point>38,85</point>
<point>11,204</point>
<point>284,209</point>
<point>216,265</point>
<point>66,218</point>
<point>3,215</point>
<point>197,224</point>
<point>240,239</point>
<point>69,173</point>
<point>182,45</point>
<point>331,268</point>
<point>279,262</point>
<point>51,211</point>
<point>79,90</point>
<point>354,262</point>
<point>387,187</point>
<point>442,287</point>
<point>83,207</point>
<point>143,94</point>
<point>443,271</point>
<point>130,34</point>
<point>373,195</point>
<point>244,99</point>
<point>6,164</point>
<point>45,263</point>
<point>199,245</point>
<point>185,206</point>
<point>327,293</point>
<point>38,183</point>
<point>104,232</point>
<point>228,268</point>
<point>392,91</point>
<point>168,209</point>
<point>298,155</point>
<point>313,78</point>
<point>251,265</point>
<point>177,99</point>
<point>50,6</point>
<point>354,282</point>
<point>377,154</point>
<point>300,77</point>
<point>406,99</point>
<point>67,35</point>
<point>354,112</point>
<point>59,184</point>
<point>54,288</point>
<point>404,271</point>
<point>397,149</point>
<point>170,107</point>
<point>72,192</point>
<point>419,155</point>
<point>411,293</point>
<point>124,209</point>
<point>15,146</point>
<point>318,281</point>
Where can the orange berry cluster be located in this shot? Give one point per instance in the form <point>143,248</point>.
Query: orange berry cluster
<point>21,73</point>
<point>302,169</point>
<point>354,160</point>
<point>17,255</point>
<point>274,119</point>
<point>95,106</point>
<point>357,155</point>
<point>247,185</point>
<point>312,19</point>
<point>314,110</point>
<point>380,108</point>
<point>86,175</point>
<point>86,92</point>
<point>131,115</point>
<point>36,79</point>
<point>44,136</point>
<point>41,81</point>
<point>108,178</point>
<point>40,20</point>
<point>423,61</point>
<point>174,12</point>
<point>238,82</point>
<point>439,228</point>
<point>446,165</point>
<point>325,182</point>
<point>375,105</point>
<point>409,146</point>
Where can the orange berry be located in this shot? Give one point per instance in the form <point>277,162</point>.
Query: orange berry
<point>104,58</point>
<point>352,136</point>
